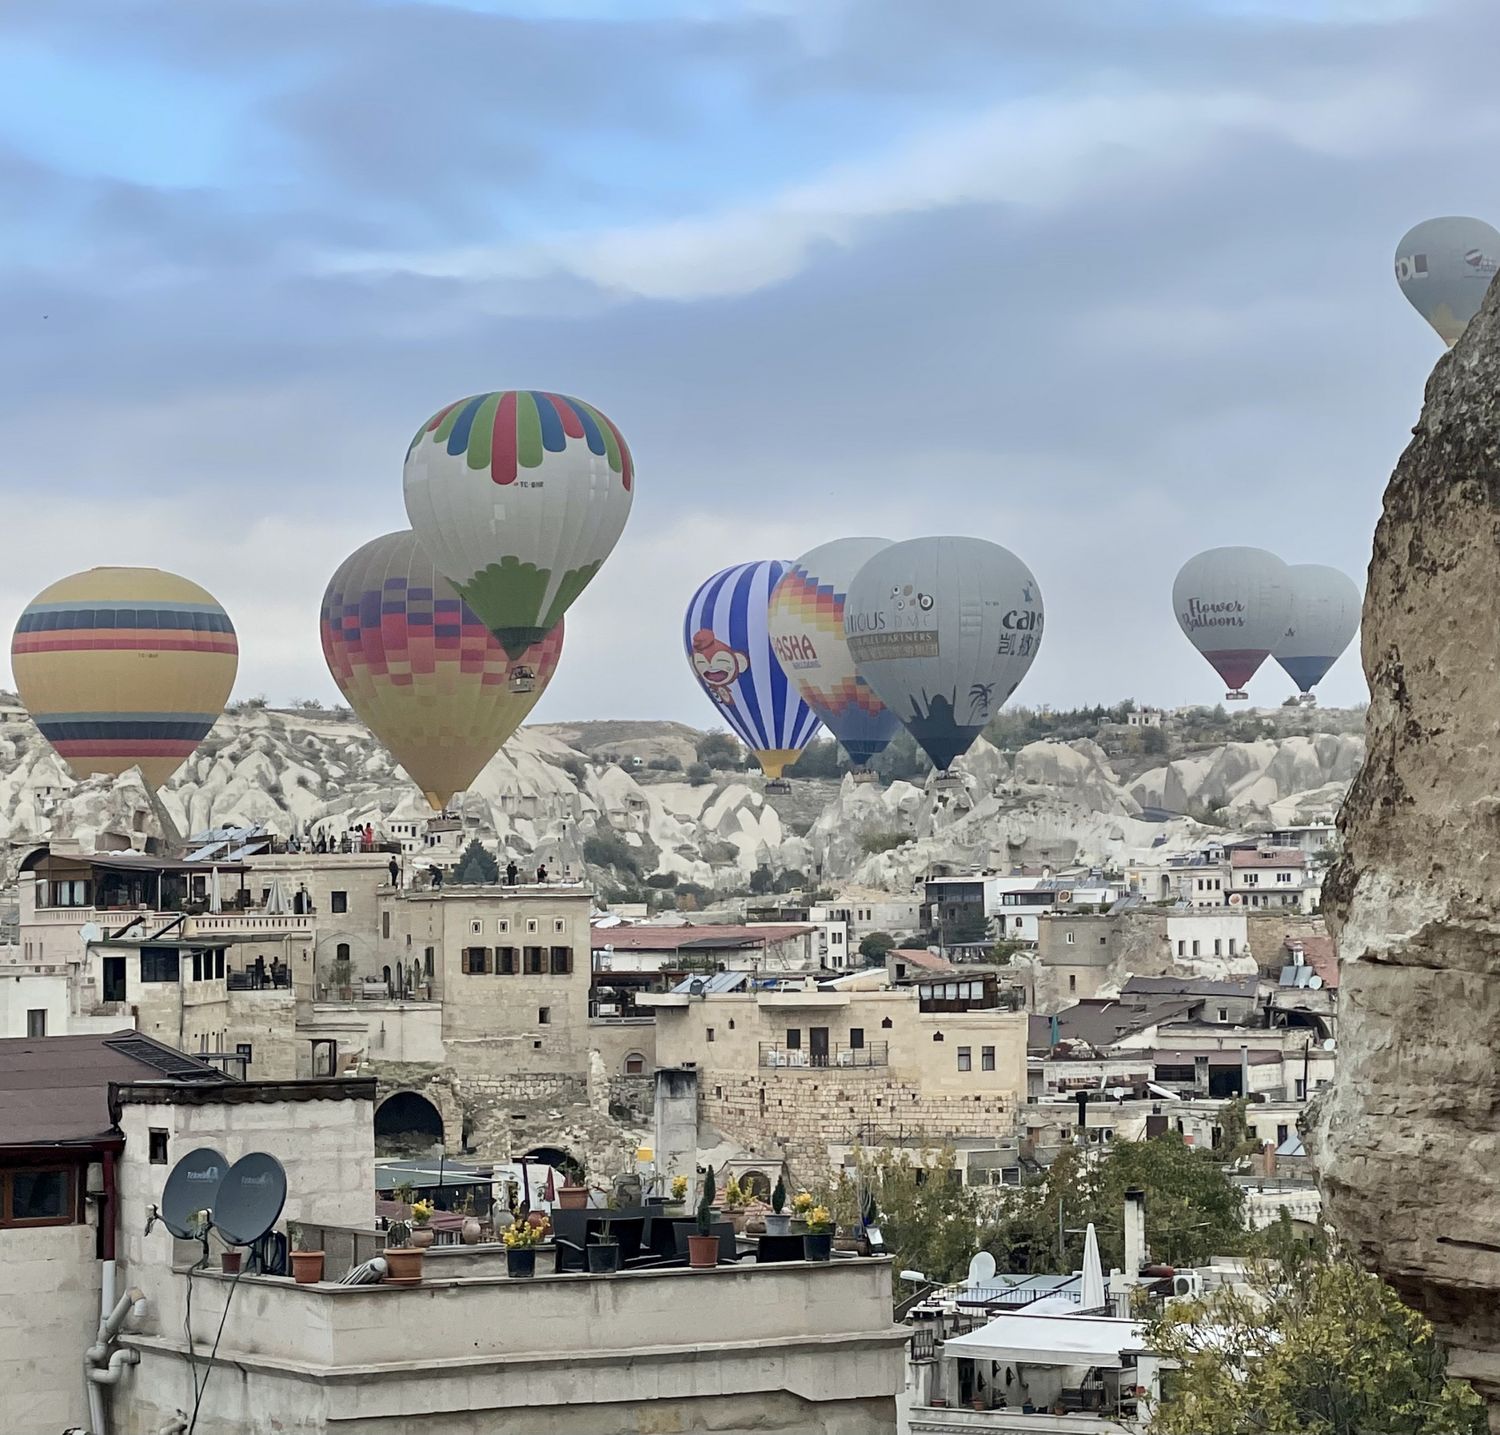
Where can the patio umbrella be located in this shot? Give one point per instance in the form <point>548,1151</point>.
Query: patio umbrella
<point>215,897</point>
<point>276,900</point>
<point>1092,1297</point>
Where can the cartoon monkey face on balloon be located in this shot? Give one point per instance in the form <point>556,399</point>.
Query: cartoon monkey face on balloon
<point>718,665</point>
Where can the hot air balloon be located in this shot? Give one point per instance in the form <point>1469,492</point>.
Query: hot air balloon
<point>729,648</point>
<point>806,621</point>
<point>944,629</point>
<point>417,665</point>
<point>519,497</point>
<point>1325,618</point>
<point>1444,267</point>
<point>124,667</point>
<point>1235,605</point>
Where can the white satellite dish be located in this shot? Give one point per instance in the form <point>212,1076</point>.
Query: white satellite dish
<point>1315,983</point>
<point>981,1268</point>
<point>1329,1044</point>
<point>90,932</point>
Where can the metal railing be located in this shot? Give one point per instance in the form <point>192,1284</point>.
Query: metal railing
<point>873,1053</point>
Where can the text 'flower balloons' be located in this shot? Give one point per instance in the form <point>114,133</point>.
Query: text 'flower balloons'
<point>944,629</point>
<point>729,648</point>
<point>807,634</point>
<point>124,667</point>
<point>1234,605</point>
<point>519,496</point>
<point>421,670</point>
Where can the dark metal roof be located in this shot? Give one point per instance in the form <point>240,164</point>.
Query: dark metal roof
<point>1191,986</point>
<point>54,1090</point>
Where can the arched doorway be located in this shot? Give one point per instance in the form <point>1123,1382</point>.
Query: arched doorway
<point>407,1124</point>
<point>558,1159</point>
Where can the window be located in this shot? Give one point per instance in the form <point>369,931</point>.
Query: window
<point>559,925</point>
<point>836,939</point>
<point>159,964</point>
<point>41,1197</point>
<point>338,902</point>
<point>856,1038</point>
<point>710,1034</point>
<point>1231,946</point>
<point>531,924</point>
<point>1252,879</point>
<point>1218,947</point>
<point>885,1023</point>
<point>245,1050</point>
<point>198,966</point>
<point>986,1058</point>
<point>1301,1089</point>
<point>536,961</point>
<point>634,1065</point>
<point>1069,939</point>
<point>1072,982</point>
<point>385,925</point>
<point>544,1016</point>
<point>505,962</point>
<point>502,925</point>
<point>1195,949</point>
<point>794,1038</point>
<point>965,1062</point>
<point>36,1022</point>
<point>1283,876</point>
<point>476,927</point>
<point>219,963</point>
<point>562,961</point>
<point>70,894</point>
<point>341,952</point>
<point>475,961</point>
<point>1018,921</point>
<point>1103,941</point>
<point>1182,949</point>
<point>1223,1013</point>
<point>1282,1132</point>
<point>427,962</point>
<point>157,1140</point>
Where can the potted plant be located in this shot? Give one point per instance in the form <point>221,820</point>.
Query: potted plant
<point>307,1266</point>
<point>422,1234</point>
<point>703,1245</point>
<point>778,1222</point>
<point>677,1201</point>
<point>403,1261</point>
<point>817,1244</point>
<point>573,1196</point>
<point>521,1240</point>
<point>229,1262</point>
<point>604,1252</point>
<point>802,1203</point>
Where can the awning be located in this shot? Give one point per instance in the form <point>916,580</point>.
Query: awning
<point>1051,1340</point>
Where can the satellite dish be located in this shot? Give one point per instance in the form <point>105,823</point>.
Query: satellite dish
<point>1329,1044</point>
<point>981,1268</point>
<point>250,1198</point>
<point>1063,898</point>
<point>1235,899</point>
<point>697,986</point>
<point>90,932</point>
<point>192,1186</point>
<point>1315,983</point>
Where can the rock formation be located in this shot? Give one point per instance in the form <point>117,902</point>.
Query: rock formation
<point>1408,1140</point>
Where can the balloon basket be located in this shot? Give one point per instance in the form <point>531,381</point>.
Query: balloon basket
<point>778,784</point>
<point>946,781</point>
<point>1308,700</point>
<point>865,774</point>
<point>522,680</point>
<point>1236,696</point>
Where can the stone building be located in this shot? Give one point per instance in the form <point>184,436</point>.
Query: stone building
<point>804,1069</point>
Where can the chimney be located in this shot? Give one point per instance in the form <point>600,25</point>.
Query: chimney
<point>1136,1254</point>
<point>1055,1031</point>
<point>1083,1109</point>
<point>1245,1071</point>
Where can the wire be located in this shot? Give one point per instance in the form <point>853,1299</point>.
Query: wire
<point>198,1398</point>
<point>187,1323</point>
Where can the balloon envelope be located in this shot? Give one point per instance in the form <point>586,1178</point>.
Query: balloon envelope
<point>421,670</point>
<point>807,634</point>
<point>1444,266</point>
<point>944,629</point>
<point>729,648</point>
<point>519,496</point>
<point>124,667</point>
<point>1234,605</point>
<point>1325,618</point>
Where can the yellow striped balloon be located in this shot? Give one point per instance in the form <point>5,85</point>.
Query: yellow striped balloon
<point>124,667</point>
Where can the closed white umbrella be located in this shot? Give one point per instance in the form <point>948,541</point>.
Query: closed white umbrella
<point>215,897</point>
<point>1092,1296</point>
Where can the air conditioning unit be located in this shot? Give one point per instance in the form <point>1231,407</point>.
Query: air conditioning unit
<point>608,1009</point>
<point>1187,1283</point>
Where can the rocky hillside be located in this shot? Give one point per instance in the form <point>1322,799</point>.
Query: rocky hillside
<point>611,796</point>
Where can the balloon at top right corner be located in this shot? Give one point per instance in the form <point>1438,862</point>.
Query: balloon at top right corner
<point>1444,266</point>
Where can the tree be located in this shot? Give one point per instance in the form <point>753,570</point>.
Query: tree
<point>761,881</point>
<point>476,866</point>
<point>718,750</point>
<point>698,773</point>
<point>606,848</point>
<point>1315,1344</point>
<point>1153,741</point>
<point>928,1217</point>
<point>874,945</point>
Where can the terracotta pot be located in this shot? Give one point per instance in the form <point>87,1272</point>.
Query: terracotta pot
<point>229,1262</point>
<point>537,1219</point>
<point>703,1252</point>
<point>520,1262</point>
<point>470,1233</point>
<point>573,1198</point>
<point>422,1237</point>
<point>403,1265</point>
<point>307,1267</point>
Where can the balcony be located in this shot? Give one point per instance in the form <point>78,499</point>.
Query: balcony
<point>872,1053</point>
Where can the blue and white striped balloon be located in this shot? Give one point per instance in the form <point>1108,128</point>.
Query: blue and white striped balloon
<point>729,647</point>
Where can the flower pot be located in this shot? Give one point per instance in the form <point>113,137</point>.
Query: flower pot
<point>817,1247</point>
<point>471,1231</point>
<point>307,1267</point>
<point>422,1237</point>
<point>403,1265</point>
<point>229,1262</point>
<point>520,1262</point>
<point>703,1252</point>
<point>573,1198</point>
<point>778,1225</point>
<point>604,1258</point>
<point>798,1226</point>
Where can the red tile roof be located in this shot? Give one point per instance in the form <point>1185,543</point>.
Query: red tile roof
<point>926,960</point>
<point>1246,857</point>
<point>1319,953</point>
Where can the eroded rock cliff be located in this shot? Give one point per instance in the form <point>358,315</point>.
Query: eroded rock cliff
<point>1409,1140</point>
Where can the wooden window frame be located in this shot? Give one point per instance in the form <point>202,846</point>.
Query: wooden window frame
<point>70,1216</point>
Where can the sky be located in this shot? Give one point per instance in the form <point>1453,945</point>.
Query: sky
<point>1107,283</point>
